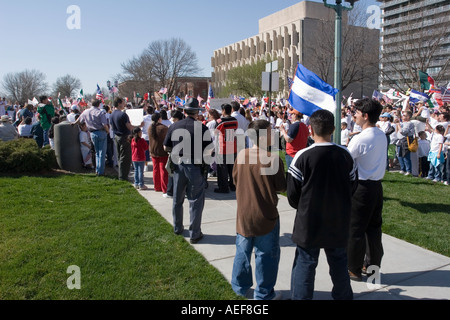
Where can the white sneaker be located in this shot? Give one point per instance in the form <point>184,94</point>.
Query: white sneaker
<point>402,172</point>
<point>407,174</point>
<point>165,195</point>
<point>435,180</point>
<point>446,183</point>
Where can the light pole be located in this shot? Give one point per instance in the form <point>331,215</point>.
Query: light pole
<point>339,8</point>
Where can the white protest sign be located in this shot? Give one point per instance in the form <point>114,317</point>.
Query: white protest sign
<point>136,116</point>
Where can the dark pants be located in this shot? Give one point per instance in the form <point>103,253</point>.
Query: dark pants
<point>304,272</point>
<point>109,152</point>
<point>188,180</point>
<point>123,146</point>
<point>424,166</point>
<point>365,226</point>
<point>225,172</point>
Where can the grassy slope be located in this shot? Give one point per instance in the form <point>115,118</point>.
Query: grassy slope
<point>124,249</point>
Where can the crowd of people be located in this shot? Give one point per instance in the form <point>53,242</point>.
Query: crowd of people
<point>375,138</point>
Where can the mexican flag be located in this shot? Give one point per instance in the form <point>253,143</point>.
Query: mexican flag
<point>425,81</point>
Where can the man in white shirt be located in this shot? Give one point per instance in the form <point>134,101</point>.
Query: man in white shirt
<point>369,150</point>
<point>242,124</point>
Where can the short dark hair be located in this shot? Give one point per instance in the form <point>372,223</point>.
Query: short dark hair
<point>96,102</point>
<point>440,128</point>
<point>371,107</point>
<point>227,108</point>
<point>42,98</point>
<point>322,122</point>
<point>177,115</point>
<point>236,105</point>
<point>257,126</point>
<point>117,101</point>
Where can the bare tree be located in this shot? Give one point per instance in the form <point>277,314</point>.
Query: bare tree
<point>360,56</point>
<point>66,86</point>
<point>417,43</point>
<point>162,63</point>
<point>21,86</point>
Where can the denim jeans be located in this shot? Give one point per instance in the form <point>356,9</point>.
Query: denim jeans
<point>304,272</point>
<point>435,172</point>
<point>139,173</point>
<point>99,140</point>
<point>46,138</point>
<point>267,258</point>
<point>288,160</point>
<point>405,162</point>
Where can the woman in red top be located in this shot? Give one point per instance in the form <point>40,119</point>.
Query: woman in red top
<point>156,135</point>
<point>138,148</point>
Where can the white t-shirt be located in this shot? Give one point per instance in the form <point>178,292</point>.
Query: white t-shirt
<point>344,136</point>
<point>436,141</point>
<point>425,113</point>
<point>24,130</point>
<point>357,128</point>
<point>167,123</point>
<point>424,148</point>
<point>147,125</point>
<point>369,150</point>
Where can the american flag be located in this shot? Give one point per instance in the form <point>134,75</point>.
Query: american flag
<point>210,96</point>
<point>445,94</point>
<point>290,82</point>
<point>99,94</point>
<point>163,91</point>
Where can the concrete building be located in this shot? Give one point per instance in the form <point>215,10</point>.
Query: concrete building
<point>301,33</point>
<point>415,35</point>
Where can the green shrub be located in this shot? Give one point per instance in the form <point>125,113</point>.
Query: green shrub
<point>24,156</point>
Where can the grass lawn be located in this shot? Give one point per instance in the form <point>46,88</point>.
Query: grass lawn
<point>418,211</point>
<point>123,247</point>
<point>415,210</point>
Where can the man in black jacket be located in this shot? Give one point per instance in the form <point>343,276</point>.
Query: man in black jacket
<point>320,184</point>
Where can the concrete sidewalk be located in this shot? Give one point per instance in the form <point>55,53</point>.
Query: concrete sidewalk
<point>408,271</point>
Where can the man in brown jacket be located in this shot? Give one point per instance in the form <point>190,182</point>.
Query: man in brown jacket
<point>258,176</point>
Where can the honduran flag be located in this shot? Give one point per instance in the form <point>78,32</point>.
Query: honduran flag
<point>416,96</point>
<point>309,93</point>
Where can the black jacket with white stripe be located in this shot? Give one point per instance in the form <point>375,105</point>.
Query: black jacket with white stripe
<point>320,184</point>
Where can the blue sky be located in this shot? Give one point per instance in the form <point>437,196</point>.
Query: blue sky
<point>34,34</point>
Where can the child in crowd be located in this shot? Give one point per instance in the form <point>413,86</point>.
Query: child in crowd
<point>85,146</point>
<point>424,150</point>
<point>138,148</point>
<point>436,154</point>
<point>344,133</point>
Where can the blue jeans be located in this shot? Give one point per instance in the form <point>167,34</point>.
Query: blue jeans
<point>304,272</point>
<point>46,138</point>
<point>99,139</point>
<point>267,258</point>
<point>188,180</point>
<point>405,162</point>
<point>435,172</point>
<point>139,173</point>
<point>288,160</point>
